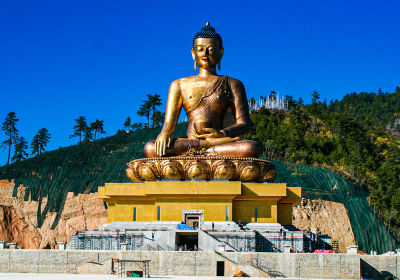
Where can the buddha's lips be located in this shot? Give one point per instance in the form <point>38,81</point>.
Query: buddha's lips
<point>205,59</point>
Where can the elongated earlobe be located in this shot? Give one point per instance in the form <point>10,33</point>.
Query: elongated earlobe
<point>219,65</point>
<point>195,65</point>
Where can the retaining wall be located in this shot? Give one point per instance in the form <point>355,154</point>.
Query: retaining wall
<point>202,263</point>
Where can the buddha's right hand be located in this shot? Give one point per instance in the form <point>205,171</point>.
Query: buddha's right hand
<point>162,143</point>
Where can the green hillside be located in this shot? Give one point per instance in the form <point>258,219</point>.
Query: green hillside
<point>322,184</point>
<point>383,108</point>
<point>78,168</point>
<point>361,152</point>
<point>82,168</point>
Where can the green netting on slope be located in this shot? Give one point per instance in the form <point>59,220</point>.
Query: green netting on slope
<point>78,169</point>
<point>319,183</point>
<point>82,168</point>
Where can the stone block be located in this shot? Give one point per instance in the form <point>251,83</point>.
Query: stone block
<point>62,245</point>
<point>24,261</point>
<point>51,261</point>
<point>4,261</point>
<point>352,250</point>
<point>124,246</point>
<point>286,249</point>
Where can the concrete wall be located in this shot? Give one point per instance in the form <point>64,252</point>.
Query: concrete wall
<point>202,263</point>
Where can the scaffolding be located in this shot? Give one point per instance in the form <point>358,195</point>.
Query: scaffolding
<point>246,243</point>
<point>109,241</point>
<point>82,168</point>
<point>276,243</point>
<point>261,243</point>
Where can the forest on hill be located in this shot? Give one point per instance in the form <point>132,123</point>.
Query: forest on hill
<point>349,137</point>
<point>381,108</point>
<point>353,137</point>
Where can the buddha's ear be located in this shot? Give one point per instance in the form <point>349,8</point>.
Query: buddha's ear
<point>221,52</point>
<point>193,54</point>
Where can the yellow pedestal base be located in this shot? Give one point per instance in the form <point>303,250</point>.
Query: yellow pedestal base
<point>220,201</point>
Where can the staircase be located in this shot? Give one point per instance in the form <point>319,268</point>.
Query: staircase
<point>238,243</point>
<point>245,268</point>
<point>307,244</point>
<point>321,244</point>
<point>227,246</point>
<point>260,243</point>
<point>266,270</point>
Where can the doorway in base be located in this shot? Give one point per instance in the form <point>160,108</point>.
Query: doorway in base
<point>220,268</point>
<point>193,218</point>
<point>192,221</point>
<point>187,241</point>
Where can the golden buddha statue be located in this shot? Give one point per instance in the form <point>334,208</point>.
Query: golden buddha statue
<point>216,106</point>
<point>218,114</point>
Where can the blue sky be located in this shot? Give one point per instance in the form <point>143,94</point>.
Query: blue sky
<point>99,59</point>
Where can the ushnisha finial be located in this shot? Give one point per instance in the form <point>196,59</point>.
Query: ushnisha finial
<point>208,32</point>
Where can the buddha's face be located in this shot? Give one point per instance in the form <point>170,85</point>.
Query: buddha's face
<point>207,52</point>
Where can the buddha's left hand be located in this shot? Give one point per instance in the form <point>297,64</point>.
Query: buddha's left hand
<point>213,134</point>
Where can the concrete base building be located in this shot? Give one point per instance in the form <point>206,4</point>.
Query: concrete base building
<point>225,216</point>
<point>200,201</point>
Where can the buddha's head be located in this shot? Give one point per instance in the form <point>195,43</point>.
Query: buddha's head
<point>207,48</point>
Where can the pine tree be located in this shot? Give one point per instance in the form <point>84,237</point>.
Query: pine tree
<point>158,119</point>
<point>150,104</point>
<point>137,126</point>
<point>144,111</point>
<point>154,101</point>
<point>314,108</point>
<point>40,140</point>
<point>272,96</point>
<point>9,127</point>
<point>252,103</point>
<point>290,102</point>
<point>19,152</point>
<point>98,128</point>
<point>127,124</point>
<point>88,135</point>
<point>80,128</point>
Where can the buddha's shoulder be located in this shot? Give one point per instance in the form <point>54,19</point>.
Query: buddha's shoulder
<point>185,80</point>
<point>189,79</point>
<point>235,82</point>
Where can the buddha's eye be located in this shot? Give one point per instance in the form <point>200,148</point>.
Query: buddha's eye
<point>199,49</point>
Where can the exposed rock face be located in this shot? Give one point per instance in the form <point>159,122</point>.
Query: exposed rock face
<point>324,217</point>
<point>18,218</point>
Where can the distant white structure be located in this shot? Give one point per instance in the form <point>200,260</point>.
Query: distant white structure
<point>395,123</point>
<point>273,101</point>
<point>270,102</point>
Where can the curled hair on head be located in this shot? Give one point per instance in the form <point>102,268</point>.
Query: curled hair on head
<point>208,32</point>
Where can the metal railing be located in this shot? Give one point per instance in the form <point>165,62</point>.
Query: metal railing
<point>108,241</point>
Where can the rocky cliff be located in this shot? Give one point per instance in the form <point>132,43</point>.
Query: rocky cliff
<point>18,218</point>
<point>324,217</point>
<point>56,195</point>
